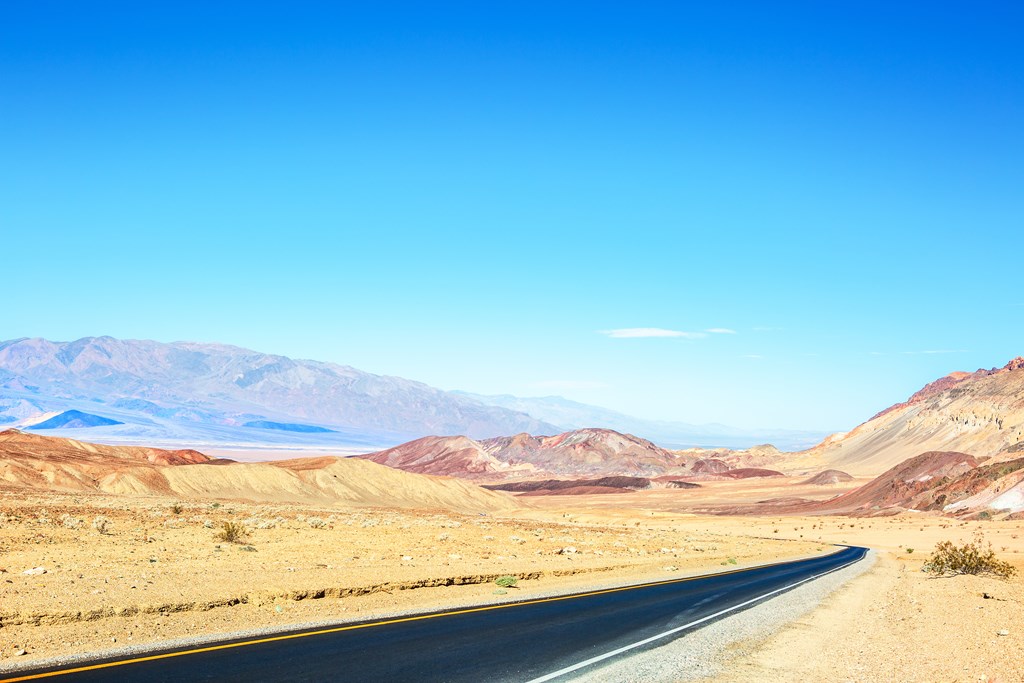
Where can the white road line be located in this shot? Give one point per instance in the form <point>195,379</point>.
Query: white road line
<point>645,641</point>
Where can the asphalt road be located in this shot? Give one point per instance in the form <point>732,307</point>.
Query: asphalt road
<point>545,639</point>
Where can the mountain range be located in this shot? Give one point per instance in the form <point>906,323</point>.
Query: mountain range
<point>210,394</point>
<point>215,395</point>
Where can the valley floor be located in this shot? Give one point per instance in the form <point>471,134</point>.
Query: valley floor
<point>159,571</point>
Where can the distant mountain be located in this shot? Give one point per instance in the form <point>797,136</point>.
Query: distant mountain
<point>574,415</point>
<point>578,453</point>
<point>288,427</point>
<point>205,394</point>
<point>74,419</point>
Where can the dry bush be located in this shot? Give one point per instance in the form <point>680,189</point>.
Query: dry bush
<point>70,522</point>
<point>232,532</point>
<point>976,557</point>
<point>101,524</point>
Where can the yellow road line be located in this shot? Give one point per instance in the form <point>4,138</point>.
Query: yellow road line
<point>353,627</point>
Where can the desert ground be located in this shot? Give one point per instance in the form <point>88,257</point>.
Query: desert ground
<point>894,623</point>
<point>159,571</point>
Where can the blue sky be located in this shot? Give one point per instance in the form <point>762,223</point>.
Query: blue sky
<point>477,196</point>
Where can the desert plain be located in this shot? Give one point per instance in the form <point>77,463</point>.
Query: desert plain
<point>159,570</point>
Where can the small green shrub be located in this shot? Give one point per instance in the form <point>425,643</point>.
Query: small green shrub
<point>976,557</point>
<point>910,551</point>
<point>177,509</point>
<point>232,532</point>
<point>507,581</point>
<point>732,560</point>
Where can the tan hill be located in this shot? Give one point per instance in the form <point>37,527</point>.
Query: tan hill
<point>587,452</point>
<point>828,478</point>
<point>51,464</point>
<point>755,456</point>
<point>582,453</point>
<point>981,413</point>
<point>457,456</point>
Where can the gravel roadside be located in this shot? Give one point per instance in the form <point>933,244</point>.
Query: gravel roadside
<point>706,652</point>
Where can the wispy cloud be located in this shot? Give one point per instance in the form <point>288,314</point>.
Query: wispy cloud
<point>934,351</point>
<point>720,330</point>
<point>568,385</point>
<point>648,332</point>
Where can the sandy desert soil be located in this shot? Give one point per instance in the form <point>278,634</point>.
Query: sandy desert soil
<point>895,623</point>
<point>160,572</point>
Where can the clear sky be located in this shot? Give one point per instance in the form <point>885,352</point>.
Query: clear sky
<point>536,198</point>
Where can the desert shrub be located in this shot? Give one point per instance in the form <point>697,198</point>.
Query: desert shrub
<point>910,551</point>
<point>101,524</point>
<point>507,581</point>
<point>177,509</point>
<point>232,532</point>
<point>732,560</point>
<point>70,522</point>
<point>976,557</point>
<point>316,522</point>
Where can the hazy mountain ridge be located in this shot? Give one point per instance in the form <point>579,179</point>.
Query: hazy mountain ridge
<point>669,434</point>
<point>188,389</point>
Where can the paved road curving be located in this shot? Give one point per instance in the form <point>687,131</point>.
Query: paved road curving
<point>537,640</point>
